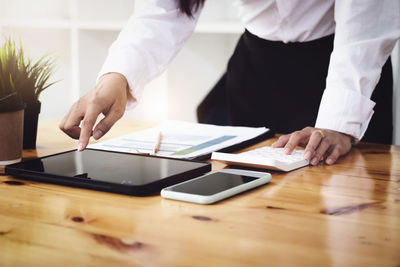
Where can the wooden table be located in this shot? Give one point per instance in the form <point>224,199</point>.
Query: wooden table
<point>347,214</point>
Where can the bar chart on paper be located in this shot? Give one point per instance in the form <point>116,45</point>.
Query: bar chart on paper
<point>204,145</point>
<point>181,139</point>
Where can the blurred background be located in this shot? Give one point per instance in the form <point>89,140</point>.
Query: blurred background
<point>79,32</point>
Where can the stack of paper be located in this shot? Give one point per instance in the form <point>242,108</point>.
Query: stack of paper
<point>181,139</point>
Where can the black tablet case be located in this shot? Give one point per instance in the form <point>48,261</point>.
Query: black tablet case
<point>34,170</point>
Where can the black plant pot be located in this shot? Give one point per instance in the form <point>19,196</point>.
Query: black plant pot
<point>32,111</point>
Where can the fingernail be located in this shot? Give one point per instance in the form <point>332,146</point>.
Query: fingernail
<point>80,147</point>
<point>307,155</point>
<point>286,150</point>
<point>97,134</point>
<point>329,161</point>
<point>314,161</point>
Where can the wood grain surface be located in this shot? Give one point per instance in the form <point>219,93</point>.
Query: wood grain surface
<point>347,214</point>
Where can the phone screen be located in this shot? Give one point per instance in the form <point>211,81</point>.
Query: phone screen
<point>212,183</point>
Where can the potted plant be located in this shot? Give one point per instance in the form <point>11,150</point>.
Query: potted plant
<point>11,107</point>
<point>31,78</point>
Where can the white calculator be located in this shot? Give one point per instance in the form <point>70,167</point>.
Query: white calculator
<point>264,157</point>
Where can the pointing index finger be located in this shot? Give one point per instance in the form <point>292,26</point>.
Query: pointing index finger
<point>88,122</point>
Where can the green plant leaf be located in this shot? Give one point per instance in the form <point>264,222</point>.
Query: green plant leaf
<point>18,73</point>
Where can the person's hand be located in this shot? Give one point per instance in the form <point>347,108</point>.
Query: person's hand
<point>320,144</point>
<point>109,96</point>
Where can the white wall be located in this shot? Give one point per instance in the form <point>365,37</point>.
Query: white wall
<point>195,70</point>
<point>38,42</point>
<point>176,94</point>
<point>77,33</point>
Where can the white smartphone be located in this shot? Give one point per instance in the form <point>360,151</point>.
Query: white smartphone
<point>213,187</point>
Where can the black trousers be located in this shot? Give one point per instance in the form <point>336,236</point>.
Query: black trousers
<point>278,85</point>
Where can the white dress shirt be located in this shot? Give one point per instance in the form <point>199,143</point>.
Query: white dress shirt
<point>365,34</point>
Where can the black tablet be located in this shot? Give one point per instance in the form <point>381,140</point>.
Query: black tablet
<point>115,172</point>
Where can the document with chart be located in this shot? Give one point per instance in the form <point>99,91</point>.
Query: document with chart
<point>181,139</point>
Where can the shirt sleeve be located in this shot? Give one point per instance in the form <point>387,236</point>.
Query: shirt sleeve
<point>366,32</point>
<point>149,41</point>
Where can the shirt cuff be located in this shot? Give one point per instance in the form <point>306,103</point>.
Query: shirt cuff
<point>119,64</point>
<point>345,111</point>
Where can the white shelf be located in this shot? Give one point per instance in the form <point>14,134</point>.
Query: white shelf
<point>217,27</point>
<point>37,23</point>
<point>101,25</point>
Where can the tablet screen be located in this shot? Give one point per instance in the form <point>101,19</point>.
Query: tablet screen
<point>107,166</point>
